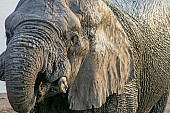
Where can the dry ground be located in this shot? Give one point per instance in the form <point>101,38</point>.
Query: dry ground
<point>6,108</point>
<point>4,104</point>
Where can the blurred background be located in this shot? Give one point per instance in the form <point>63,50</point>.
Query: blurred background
<point>6,7</point>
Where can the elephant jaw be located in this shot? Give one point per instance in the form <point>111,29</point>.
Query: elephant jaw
<point>2,77</point>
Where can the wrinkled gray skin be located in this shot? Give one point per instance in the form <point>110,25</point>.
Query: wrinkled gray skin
<point>78,56</point>
<point>41,48</point>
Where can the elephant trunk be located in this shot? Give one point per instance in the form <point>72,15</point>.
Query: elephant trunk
<point>22,65</point>
<point>2,77</point>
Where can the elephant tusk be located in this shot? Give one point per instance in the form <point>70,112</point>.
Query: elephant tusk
<point>62,83</point>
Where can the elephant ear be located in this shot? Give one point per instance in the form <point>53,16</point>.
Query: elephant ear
<point>108,65</point>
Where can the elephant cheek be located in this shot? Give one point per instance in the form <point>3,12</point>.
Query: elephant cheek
<point>77,57</point>
<point>2,77</point>
<point>76,63</point>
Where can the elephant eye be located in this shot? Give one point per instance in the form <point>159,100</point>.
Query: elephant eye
<point>74,39</point>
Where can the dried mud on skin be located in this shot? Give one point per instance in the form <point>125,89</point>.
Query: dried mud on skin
<point>6,108</point>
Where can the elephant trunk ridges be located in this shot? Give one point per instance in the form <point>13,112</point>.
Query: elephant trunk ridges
<point>2,66</point>
<point>24,60</point>
<point>21,69</point>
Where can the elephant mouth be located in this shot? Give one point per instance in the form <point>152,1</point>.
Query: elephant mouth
<point>44,90</point>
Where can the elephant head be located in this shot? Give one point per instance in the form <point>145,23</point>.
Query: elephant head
<point>76,43</point>
<point>108,66</point>
<point>43,48</point>
<point>91,46</point>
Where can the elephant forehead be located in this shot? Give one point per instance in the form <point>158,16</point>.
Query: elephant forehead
<point>71,20</point>
<point>56,12</point>
<point>63,13</point>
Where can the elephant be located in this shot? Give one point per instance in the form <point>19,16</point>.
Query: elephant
<point>87,56</point>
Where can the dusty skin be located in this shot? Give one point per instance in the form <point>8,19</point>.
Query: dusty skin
<point>6,108</point>
<point>115,58</point>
